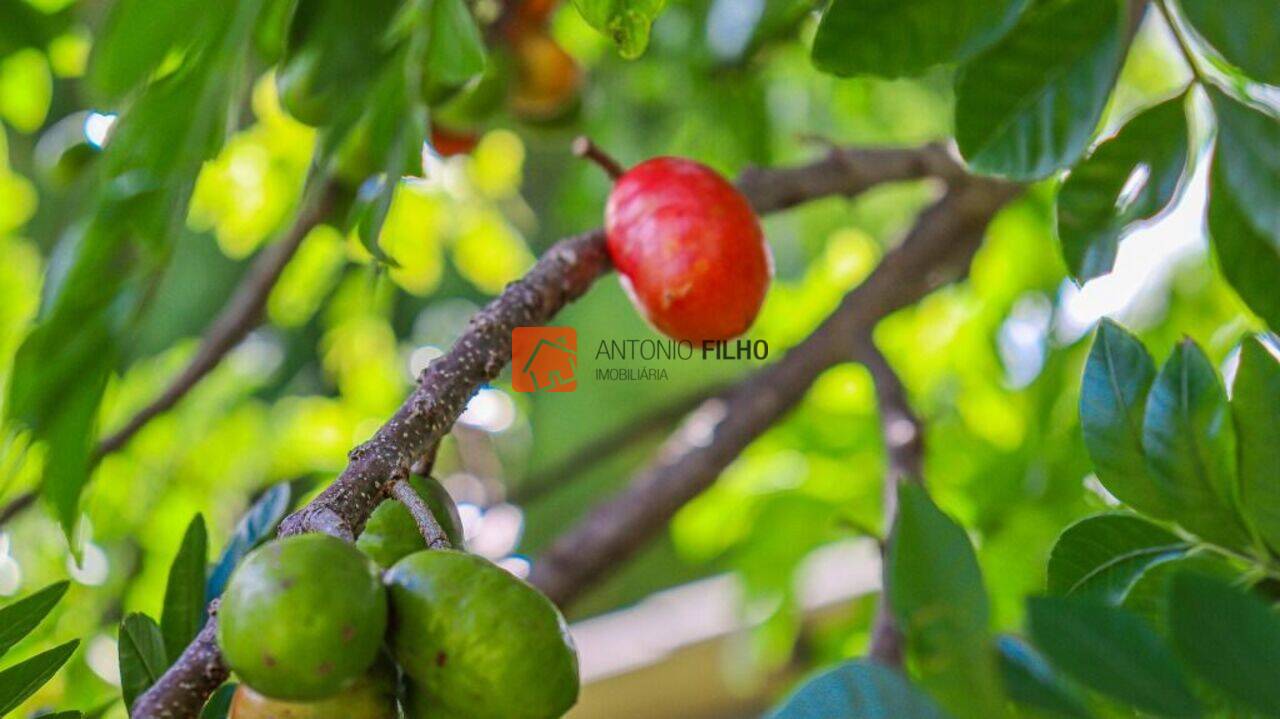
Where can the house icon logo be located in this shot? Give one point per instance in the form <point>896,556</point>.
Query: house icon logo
<point>543,359</point>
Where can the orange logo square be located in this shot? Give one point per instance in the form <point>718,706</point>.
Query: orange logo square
<point>543,359</point>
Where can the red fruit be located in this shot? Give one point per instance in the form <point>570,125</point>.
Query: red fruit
<point>448,143</point>
<point>689,249</point>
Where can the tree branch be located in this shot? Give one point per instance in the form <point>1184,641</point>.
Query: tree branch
<point>561,275</point>
<point>538,484</point>
<point>904,449</point>
<point>242,313</point>
<point>184,688</point>
<point>936,251</point>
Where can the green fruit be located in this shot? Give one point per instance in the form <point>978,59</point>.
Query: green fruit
<point>391,534</point>
<point>477,642</point>
<point>372,696</point>
<point>302,617</point>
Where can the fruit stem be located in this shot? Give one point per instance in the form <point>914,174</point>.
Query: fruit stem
<point>584,147</point>
<point>426,521</point>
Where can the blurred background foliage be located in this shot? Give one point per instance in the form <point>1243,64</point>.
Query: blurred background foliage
<point>992,364</point>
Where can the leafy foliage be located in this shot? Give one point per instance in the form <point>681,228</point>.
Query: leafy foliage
<point>17,620</point>
<point>184,603</point>
<point>1028,106</point>
<point>905,38</point>
<point>1099,202</point>
<point>858,690</point>
<point>142,655</point>
<point>1113,652</point>
<point>937,595</point>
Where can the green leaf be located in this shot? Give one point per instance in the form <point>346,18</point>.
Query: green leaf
<point>1112,651</point>
<point>858,690</point>
<point>219,705</point>
<point>1248,259</point>
<point>1103,556</point>
<point>1149,596</point>
<point>18,619</point>
<point>254,527</point>
<point>184,606</point>
<point>1113,397</point>
<point>1030,681</point>
<point>22,680</point>
<point>1255,404</point>
<point>1128,178</point>
<point>1248,153</point>
<point>142,656</point>
<point>335,53</point>
<point>149,168</point>
<point>455,51</point>
<point>1245,32</point>
<point>896,38</point>
<point>1029,105</point>
<point>71,714</point>
<point>1190,446</point>
<point>1228,637</point>
<point>626,22</point>
<point>936,592</point>
<point>135,39</point>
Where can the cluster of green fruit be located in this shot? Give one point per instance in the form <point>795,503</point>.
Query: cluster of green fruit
<point>314,629</point>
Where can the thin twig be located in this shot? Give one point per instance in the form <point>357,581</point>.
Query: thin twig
<point>904,449</point>
<point>427,523</point>
<point>16,506</point>
<point>542,482</point>
<point>242,313</point>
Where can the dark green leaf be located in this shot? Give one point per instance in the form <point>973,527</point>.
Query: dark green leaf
<point>1245,32</point>
<point>1113,397</point>
<point>220,703</point>
<point>256,525</point>
<point>1149,596</point>
<point>23,26</point>
<point>858,690</point>
<point>18,619</point>
<point>1128,178</point>
<point>1028,106</point>
<point>1112,651</point>
<point>455,50</point>
<point>1255,403</point>
<point>894,38</point>
<point>1248,155</point>
<point>149,168</point>
<point>1190,446</point>
<point>936,591</point>
<point>184,606</point>
<point>22,680</point>
<point>335,53</point>
<point>1248,259</point>
<point>1030,681</point>
<point>142,655</point>
<point>1103,556</point>
<point>137,36</point>
<point>626,22</point>
<point>1228,637</point>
